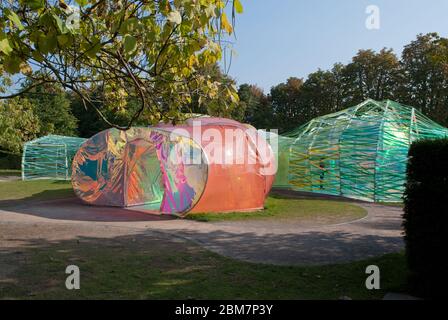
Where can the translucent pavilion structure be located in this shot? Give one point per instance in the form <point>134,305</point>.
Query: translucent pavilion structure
<point>360,152</point>
<point>176,169</point>
<point>49,157</point>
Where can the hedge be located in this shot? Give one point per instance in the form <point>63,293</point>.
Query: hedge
<point>426,217</point>
<point>10,161</point>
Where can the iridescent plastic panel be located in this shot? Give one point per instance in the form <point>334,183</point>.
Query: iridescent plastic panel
<point>137,167</point>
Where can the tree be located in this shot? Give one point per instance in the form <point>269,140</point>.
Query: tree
<point>425,66</point>
<point>151,50</point>
<point>215,105</point>
<point>90,123</point>
<point>258,109</point>
<point>371,75</point>
<point>18,123</point>
<point>286,104</point>
<point>322,93</point>
<point>53,109</point>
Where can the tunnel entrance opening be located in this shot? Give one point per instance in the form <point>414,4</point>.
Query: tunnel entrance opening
<point>144,178</point>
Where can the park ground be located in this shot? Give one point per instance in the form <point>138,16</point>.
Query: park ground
<point>298,248</point>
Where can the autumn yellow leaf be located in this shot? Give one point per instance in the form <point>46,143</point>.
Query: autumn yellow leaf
<point>225,24</point>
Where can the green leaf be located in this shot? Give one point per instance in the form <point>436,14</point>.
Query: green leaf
<point>46,19</point>
<point>130,44</point>
<point>60,24</point>
<point>82,3</point>
<point>12,64</point>
<point>130,25</point>
<point>37,56</point>
<point>92,50</point>
<point>47,43</point>
<point>64,40</point>
<point>238,6</point>
<point>91,53</point>
<point>12,16</point>
<point>34,4</point>
<point>5,47</point>
<point>35,36</point>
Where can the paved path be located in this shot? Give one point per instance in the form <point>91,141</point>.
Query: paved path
<point>256,241</point>
<point>9,178</point>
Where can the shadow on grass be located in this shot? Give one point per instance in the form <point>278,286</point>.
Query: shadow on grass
<point>260,245</point>
<point>156,266</point>
<point>47,204</point>
<point>62,204</point>
<point>307,248</point>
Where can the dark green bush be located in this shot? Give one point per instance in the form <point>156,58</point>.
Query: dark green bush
<point>426,217</point>
<point>10,161</point>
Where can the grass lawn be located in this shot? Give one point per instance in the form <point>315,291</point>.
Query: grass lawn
<point>280,207</point>
<point>35,190</point>
<point>144,268</point>
<point>392,204</point>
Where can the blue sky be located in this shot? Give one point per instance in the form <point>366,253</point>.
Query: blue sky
<point>277,39</point>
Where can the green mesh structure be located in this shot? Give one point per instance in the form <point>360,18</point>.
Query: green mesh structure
<point>49,157</point>
<point>280,146</point>
<point>360,152</point>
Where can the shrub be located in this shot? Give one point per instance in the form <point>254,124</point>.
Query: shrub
<point>425,217</point>
<point>10,161</point>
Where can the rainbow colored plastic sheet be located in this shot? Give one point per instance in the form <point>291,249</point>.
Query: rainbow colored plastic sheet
<point>165,169</point>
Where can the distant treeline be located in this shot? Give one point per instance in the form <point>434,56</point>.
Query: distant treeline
<point>419,79</point>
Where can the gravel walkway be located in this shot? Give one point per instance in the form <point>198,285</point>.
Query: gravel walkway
<point>255,241</point>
